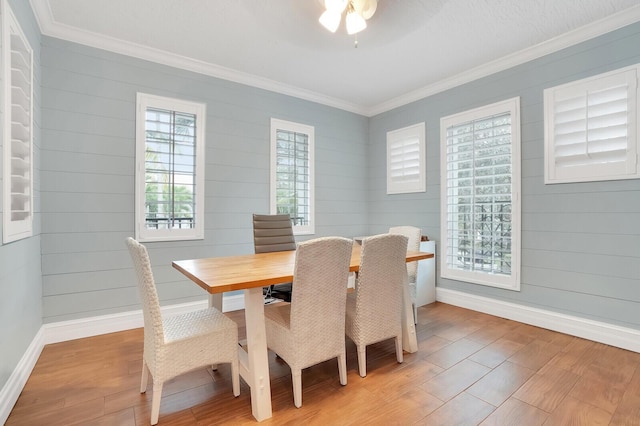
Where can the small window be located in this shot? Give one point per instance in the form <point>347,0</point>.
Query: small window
<point>170,149</point>
<point>591,129</point>
<point>292,173</point>
<point>17,73</point>
<point>406,170</point>
<point>480,163</point>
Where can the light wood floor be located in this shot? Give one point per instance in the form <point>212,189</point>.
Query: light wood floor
<point>470,369</point>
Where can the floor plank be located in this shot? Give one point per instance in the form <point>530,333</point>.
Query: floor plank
<point>470,369</point>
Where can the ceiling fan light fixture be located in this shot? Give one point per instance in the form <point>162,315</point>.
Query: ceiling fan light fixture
<point>355,22</point>
<point>358,11</point>
<point>330,20</point>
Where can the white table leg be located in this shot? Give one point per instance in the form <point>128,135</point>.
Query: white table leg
<point>255,363</point>
<point>215,301</point>
<point>409,338</point>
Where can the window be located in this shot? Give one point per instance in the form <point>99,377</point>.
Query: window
<point>591,130</point>
<point>406,171</point>
<point>170,149</point>
<point>17,137</point>
<point>292,173</point>
<point>481,195</point>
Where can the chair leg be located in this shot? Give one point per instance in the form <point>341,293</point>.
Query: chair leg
<point>342,368</point>
<point>399,353</point>
<point>145,377</point>
<point>296,376</point>
<point>235,378</point>
<point>362,360</point>
<point>415,314</point>
<point>155,402</point>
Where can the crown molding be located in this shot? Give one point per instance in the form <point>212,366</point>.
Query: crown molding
<point>49,27</point>
<point>560,42</point>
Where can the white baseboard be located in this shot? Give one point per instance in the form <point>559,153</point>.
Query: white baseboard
<point>621,337</point>
<point>86,327</point>
<point>11,390</point>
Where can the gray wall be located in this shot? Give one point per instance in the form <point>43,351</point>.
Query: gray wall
<point>20,277</point>
<point>580,241</point>
<point>88,130</point>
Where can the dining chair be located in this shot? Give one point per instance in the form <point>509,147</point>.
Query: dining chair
<point>310,329</point>
<point>180,343</point>
<point>374,310</point>
<point>274,232</point>
<point>414,235</point>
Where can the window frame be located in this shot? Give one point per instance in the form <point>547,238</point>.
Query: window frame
<point>144,234</point>
<point>17,133</point>
<point>400,137</point>
<point>595,171</point>
<point>512,281</point>
<point>289,126</point>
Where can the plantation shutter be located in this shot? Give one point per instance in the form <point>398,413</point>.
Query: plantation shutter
<point>405,160</point>
<point>479,195</point>
<point>292,175</point>
<point>18,134</point>
<point>170,169</point>
<point>591,129</point>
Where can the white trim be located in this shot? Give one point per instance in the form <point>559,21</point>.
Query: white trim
<point>609,334</point>
<point>289,126</point>
<point>144,103</point>
<point>11,390</point>
<point>86,327</point>
<point>571,38</point>
<point>48,26</point>
<point>512,280</point>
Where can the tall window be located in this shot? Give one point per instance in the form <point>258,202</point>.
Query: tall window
<point>591,128</point>
<point>17,137</point>
<point>292,173</point>
<point>406,170</point>
<point>481,195</point>
<point>170,169</point>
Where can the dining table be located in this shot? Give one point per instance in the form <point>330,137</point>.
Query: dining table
<point>252,272</point>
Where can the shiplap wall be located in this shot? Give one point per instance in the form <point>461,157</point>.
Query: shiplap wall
<point>580,241</point>
<point>20,278</point>
<point>87,172</point>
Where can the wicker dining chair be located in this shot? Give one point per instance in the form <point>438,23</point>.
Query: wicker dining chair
<point>310,329</point>
<point>179,343</point>
<point>374,310</point>
<point>414,235</point>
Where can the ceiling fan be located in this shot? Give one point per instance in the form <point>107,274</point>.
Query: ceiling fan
<point>357,11</point>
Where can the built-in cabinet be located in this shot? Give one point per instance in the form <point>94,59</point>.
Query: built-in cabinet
<point>426,279</point>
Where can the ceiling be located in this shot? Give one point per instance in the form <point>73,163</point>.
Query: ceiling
<point>411,48</point>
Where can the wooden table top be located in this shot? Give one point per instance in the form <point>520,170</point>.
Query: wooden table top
<point>229,273</point>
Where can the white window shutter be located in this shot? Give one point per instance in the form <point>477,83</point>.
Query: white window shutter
<point>591,130</point>
<point>170,149</point>
<point>17,73</point>
<point>480,195</point>
<point>406,160</point>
